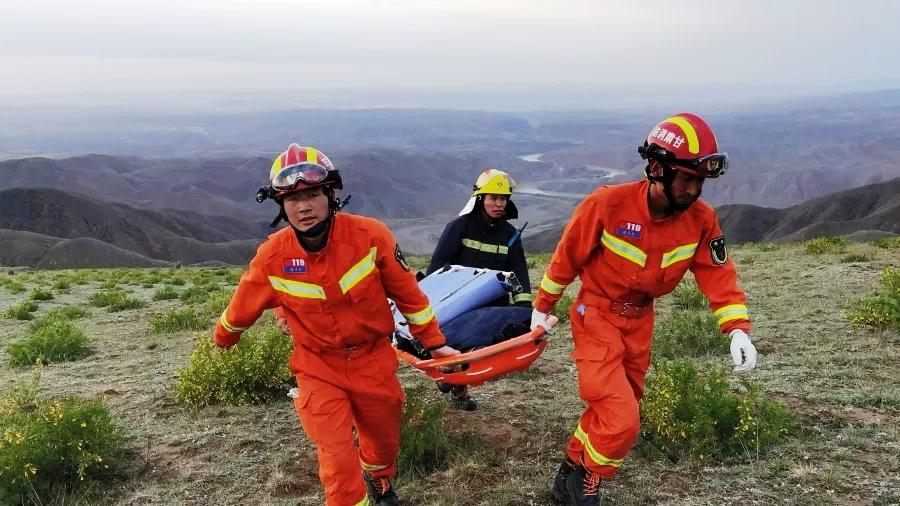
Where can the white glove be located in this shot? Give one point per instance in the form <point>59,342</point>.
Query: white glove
<point>742,352</point>
<point>539,319</point>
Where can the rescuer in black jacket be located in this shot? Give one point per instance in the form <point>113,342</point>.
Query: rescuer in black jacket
<point>482,237</point>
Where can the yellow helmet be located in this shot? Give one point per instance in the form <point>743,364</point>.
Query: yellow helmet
<point>495,182</point>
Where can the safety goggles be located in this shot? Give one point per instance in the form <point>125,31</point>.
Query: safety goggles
<point>713,165</point>
<point>289,177</point>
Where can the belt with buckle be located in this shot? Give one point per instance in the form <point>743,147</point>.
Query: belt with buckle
<point>631,310</point>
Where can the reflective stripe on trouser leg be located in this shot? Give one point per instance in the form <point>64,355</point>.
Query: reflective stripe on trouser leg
<point>609,426</point>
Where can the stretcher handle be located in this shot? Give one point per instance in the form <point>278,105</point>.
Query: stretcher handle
<point>535,335</point>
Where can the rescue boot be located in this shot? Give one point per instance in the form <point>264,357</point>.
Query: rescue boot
<point>381,491</point>
<point>461,398</point>
<point>583,488</point>
<point>566,468</point>
<point>442,387</point>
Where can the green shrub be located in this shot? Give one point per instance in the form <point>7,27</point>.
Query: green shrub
<point>125,303</point>
<point>890,281</point>
<point>562,307</point>
<point>879,312</point>
<point>892,242</point>
<point>105,298</point>
<point>114,300</point>
<point>175,320</point>
<point>14,287</point>
<point>40,294</point>
<point>197,293</point>
<point>49,445</point>
<point>691,414</point>
<point>234,275</point>
<point>425,446</point>
<point>856,257</point>
<point>883,310</point>
<point>79,278</point>
<point>175,281</point>
<point>826,245</point>
<point>688,334</point>
<point>688,296</point>
<point>48,340</point>
<point>22,310</point>
<point>109,285</point>
<point>165,293</point>
<point>152,279</point>
<point>66,313</point>
<point>538,260</point>
<point>253,371</point>
<point>62,283</point>
<point>216,302</point>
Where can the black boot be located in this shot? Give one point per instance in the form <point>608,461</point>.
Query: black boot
<point>381,491</point>
<point>566,468</point>
<point>461,399</point>
<point>583,488</point>
<point>442,387</point>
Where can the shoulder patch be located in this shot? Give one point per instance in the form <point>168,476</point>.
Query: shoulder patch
<point>718,251</point>
<point>401,259</point>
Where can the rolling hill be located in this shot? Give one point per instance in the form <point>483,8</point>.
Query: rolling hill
<point>174,236</point>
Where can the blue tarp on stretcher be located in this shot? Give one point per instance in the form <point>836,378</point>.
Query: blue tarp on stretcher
<point>460,297</point>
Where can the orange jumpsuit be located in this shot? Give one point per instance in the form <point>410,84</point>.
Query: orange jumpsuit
<point>335,301</point>
<point>625,259</point>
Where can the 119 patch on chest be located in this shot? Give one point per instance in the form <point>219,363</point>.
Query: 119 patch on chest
<point>629,229</point>
<point>294,266</point>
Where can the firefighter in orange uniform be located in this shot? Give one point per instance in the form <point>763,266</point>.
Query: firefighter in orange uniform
<point>331,274</point>
<point>631,243</point>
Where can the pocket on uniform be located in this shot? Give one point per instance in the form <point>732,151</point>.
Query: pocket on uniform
<point>595,353</point>
<point>302,400</point>
<point>370,301</point>
<point>301,406</point>
<point>302,305</point>
<point>623,266</point>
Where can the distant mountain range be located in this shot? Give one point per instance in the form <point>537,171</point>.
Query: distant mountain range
<point>414,168</point>
<point>861,213</point>
<point>384,183</point>
<point>782,153</point>
<point>54,229</point>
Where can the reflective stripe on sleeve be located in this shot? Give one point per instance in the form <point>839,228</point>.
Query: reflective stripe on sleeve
<point>731,312</point>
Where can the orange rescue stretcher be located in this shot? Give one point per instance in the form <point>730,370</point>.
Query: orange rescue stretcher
<point>477,366</point>
<point>454,291</point>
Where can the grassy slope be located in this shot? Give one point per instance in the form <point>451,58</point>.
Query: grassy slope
<point>842,381</point>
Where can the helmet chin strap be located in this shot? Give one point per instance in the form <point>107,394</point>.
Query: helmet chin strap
<point>666,180</point>
<point>316,229</point>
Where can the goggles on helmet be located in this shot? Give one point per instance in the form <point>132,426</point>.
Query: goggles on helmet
<point>289,177</point>
<point>712,165</point>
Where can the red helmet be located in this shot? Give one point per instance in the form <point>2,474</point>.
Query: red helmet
<point>686,142</point>
<point>301,168</point>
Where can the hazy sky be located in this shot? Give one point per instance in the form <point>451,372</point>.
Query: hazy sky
<point>98,47</point>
